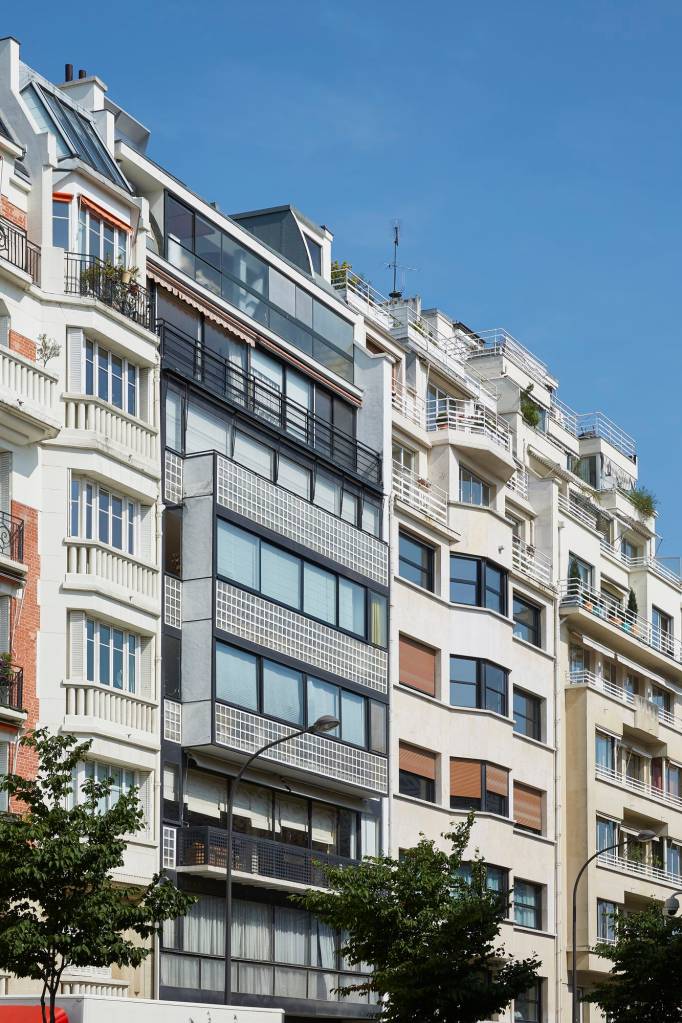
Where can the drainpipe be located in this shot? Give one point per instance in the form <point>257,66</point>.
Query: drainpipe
<point>558,805</point>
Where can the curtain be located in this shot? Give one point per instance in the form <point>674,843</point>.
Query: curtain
<point>253,455</point>
<point>238,555</point>
<point>205,926</point>
<point>319,593</point>
<point>179,971</point>
<point>212,974</point>
<point>290,983</point>
<point>251,931</point>
<point>323,945</point>
<point>292,928</point>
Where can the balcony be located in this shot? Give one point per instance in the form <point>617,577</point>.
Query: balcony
<point>531,562</point>
<point>361,296</point>
<point>518,482</point>
<point>498,342</point>
<point>633,700</point>
<point>126,711</point>
<point>27,400</point>
<point>91,565</point>
<point>638,787</point>
<point>260,399</point>
<point>471,426</point>
<point>578,510</point>
<point>16,249</point>
<point>12,689</point>
<point>421,495</point>
<point>203,851</point>
<point>11,537</point>
<point>646,871</point>
<point>92,277</point>
<point>407,402</point>
<point>649,564</point>
<point>135,439</point>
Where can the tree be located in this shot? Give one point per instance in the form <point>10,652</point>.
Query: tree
<point>58,904</point>
<point>643,983</point>
<point>430,933</point>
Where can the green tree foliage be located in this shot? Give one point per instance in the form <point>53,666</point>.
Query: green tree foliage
<point>58,904</point>
<point>430,933</point>
<point>644,980</point>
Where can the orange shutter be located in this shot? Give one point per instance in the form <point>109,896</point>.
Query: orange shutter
<point>527,807</point>
<point>497,780</point>
<point>417,666</point>
<point>465,778</point>
<point>100,211</point>
<point>417,761</point>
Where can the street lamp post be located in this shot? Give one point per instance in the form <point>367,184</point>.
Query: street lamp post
<point>643,836</point>
<point>326,723</point>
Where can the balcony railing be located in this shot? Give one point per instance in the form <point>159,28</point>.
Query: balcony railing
<point>361,295</point>
<point>531,562</point>
<point>11,537</point>
<point>12,688</point>
<point>588,599</point>
<point>588,678</point>
<point>18,250</point>
<point>518,482</point>
<point>499,342</point>
<point>592,424</point>
<point>260,398</point>
<point>642,788</point>
<point>645,870</point>
<point>653,565</point>
<point>578,511</point>
<point>421,494</point>
<point>467,417</point>
<point>206,846</point>
<point>94,278</point>
<point>407,402</point>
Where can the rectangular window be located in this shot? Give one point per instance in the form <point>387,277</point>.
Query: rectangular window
<point>60,223</point>
<point>416,561</point>
<point>473,490</point>
<point>117,378</point>
<point>579,570</point>
<point>478,786</point>
<point>662,630</point>
<point>123,780</point>
<point>417,772</point>
<point>478,583</point>
<point>528,808</point>
<point>283,693</point>
<point>116,518</point>
<point>607,834</point>
<point>319,593</point>
<point>606,920</point>
<point>477,683</point>
<point>526,621</point>
<point>111,656</point>
<point>605,752</point>
<point>236,676</point>
<point>101,238</point>
<point>280,575</point>
<point>417,666</point>
<point>527,714</point>
<point>528,904</point>
<point>528,1006</point>
<point>496,878</point>
<point>238,555</point>
<point>352,607</point>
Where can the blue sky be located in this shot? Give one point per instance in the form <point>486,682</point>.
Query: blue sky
<point>531,151</point>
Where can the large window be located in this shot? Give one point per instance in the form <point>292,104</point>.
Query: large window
<point>417,772</point>
<point>607,913</point>
<point>527,714</point>
<point>475,785</point>
<point>662,630</point>
<point>97,513</point>
<point>528,904</point>
<point>249,561</point>
<point>526,621</point>
<point>478,683</point>
<point>100,237</point>
<point>112,656</point>
<point>111,378</point>
<point>496,878</point>
<point>270,688</point>
<point>472,489</point>
<point>478,582</point>
<point>416,561</point>
<point>607,834</point>
<point>215,260</point>
<point>580,570</point>
<point>605,752</point>
<point>528,1006</point>
<point>123,780</point>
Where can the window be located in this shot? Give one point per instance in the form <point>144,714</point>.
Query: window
<point>628,549</point>
<point>527,714</point>
<point>112,656</point>
<point>479,786</point>
<point>528,1006</point>
<point>660,698</point>
<point>111,378</point>
<point>478,583</point>
<point>290,580</point>
<point>236,676</point>
<point>123,781</point>
<point>4,769</point>
<point>417,666</point>
<point>416,561</point>
<point>404,458</point>
<point>580,570</point>
<point>605,752</point>
<point>673,859</point>
<point>526,621</point>
<point>98,514</point>
<point>606,920</point>
<point>528,808</point>
<point>674,774</point>
<point>478,683</point>
<point>101,238</point>
<point>607,833</point>
<point>662,630</point>
<point>472,489</point>
<point>417,772</point>
<point>60,223</point>
<point>496,878</point>
<point>528,904</point>
<point>283,695</point>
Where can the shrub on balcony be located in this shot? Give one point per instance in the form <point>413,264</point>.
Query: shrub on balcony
<point>529,410</point>
<point>643,500</point>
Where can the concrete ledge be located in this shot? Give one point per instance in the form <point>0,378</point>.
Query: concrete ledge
<point>99,1009</point>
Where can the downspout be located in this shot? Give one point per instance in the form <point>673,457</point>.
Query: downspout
<point>558,804</point>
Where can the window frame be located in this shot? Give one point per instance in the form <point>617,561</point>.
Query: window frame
<point>480,585</point>
<point>535,629</point>
<point>537,701</point>
<point>536,988</point>
<point>428,572</point>
<point>427,786</point>
<point>93,627</point>
<point>481,685</point>
<point>536,908</point>
<point>473,480</point>
<point>86,232</point>
<point>466,802</point>
<point>93,358</point>
<point>88,508</point>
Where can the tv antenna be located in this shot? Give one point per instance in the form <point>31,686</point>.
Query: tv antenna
<point>395,266</point>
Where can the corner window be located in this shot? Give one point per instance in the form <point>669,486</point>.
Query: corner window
<point>97,513</point>
<point>416,560</point>
<point>478,684</point>
<point>580,571</point>
<point>526,621</point>
<point>527,714</point>
<point>473,490</point>
<point>528,904</point>
<point>475,785</point>
<point>478,583</point>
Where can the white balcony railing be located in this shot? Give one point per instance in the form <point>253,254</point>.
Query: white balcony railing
<point>124,573</point>
<point>616,692</point>
<point>531,562</point>
<point>518,483</point>
<point>642,788</point>
<point>609,611</point>
<point>637,869</point>
<point>421,494</point>
<point>131,434</point>
<point>592,424</point>
<point>658,568</point>
<point>467,417</point>
<point>578,511</point>
<point>407,402</point>
<point>112,705</point>
<point>362,296</point>
<point>499,342</point>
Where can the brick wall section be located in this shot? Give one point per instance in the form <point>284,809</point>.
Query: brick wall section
<point>24,626</point>
<point>23,345</point>
<point>12,213</point>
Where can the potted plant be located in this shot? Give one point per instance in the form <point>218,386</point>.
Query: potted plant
<point>643,500</point>
<point>7,669</point>
<point>529,410</point>
<point>630,624</point>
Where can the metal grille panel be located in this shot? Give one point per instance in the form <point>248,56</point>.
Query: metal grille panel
<point>172,478</point>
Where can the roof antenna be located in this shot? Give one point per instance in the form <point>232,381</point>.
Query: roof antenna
<point>395,266</point>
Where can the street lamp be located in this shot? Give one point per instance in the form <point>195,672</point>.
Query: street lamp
<point>643,836</point>
<point>326,723</point>
<point>672,904</point>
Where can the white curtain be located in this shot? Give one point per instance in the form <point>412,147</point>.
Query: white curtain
<point>251,931</point>
<point>290,983</point>
<point>205,926</point>
<point>319,593</point>
<point>292,927</point>
<point>323,945</point>
<point>179,971</point>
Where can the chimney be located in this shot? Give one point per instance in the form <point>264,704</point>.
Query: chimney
<point>68,72</point>
<point>82,73</point>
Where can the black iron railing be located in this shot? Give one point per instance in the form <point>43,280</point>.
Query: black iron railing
<point>113,285</point>
<point>11,687</point>
<point>18,250</point>
<point>206,846</point>
<point>11,537</point>
<point>188,357</point>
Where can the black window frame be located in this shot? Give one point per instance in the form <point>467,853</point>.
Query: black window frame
<point>481,587</point>
<point>428,572</point>
<point>535,718</point>
<point>465,873</point>
<point>488,803</point>
<point>536,988</point>
<point>536,628</point>
<point>537,908</point>
<point>481,684</point>
<point>426,787</point>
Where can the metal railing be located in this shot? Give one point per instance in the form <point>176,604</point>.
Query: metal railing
<point>262,399</point>
<point>420,494</point>
<point>588,678</point>
<point>18,250</point>
<point>362,294</point>
<point>406,401</point>
<point>596,424</point>
<point>251,854</point>
<point>11,536</point>
<point>467,417</point>
<point>518,483</point>
<point>608,610</point>
<point>653,565</point>
<point>647,870</point>
<point>642,788</point>
<point>531,562</point>
<point>11,688</point>
<point>499,342</point>
<point>93,277</point>
<point>563,414</point>
<point>578,511</point>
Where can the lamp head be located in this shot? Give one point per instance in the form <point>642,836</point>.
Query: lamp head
<point>326,723</point>
<point>671,906</point>
<point>646,836</point>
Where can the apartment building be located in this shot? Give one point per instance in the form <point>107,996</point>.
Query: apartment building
<point>79,454</point>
